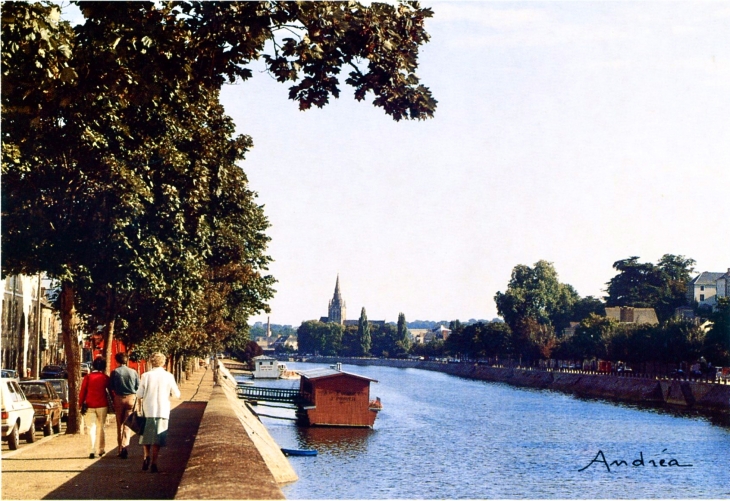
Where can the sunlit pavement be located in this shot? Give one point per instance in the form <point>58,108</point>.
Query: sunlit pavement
<point>58,466</point>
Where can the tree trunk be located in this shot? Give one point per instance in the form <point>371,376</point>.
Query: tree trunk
<point>73,355</point>
<point>109,329</point>
<point>108,340</point>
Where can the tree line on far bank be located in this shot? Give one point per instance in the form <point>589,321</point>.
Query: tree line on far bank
<point>537,308</point>
<point>363,339</point>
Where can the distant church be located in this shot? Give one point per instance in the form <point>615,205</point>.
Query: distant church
<point>337,308</point>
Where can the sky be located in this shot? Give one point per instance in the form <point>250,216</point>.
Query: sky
<point>580,133</point>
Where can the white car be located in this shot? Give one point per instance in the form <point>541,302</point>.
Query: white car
<point>17,414</point>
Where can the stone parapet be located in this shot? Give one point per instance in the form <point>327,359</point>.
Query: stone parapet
<point>233,457</point>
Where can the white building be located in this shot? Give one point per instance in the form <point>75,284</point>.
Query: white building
<point>703,289</point>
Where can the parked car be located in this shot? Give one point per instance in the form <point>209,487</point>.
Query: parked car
<point>17,414</point>
<point>46,403</point>
<point>9,373</point>
<point>85,368</point>
<point>53,372</point>
<point>61,387</point>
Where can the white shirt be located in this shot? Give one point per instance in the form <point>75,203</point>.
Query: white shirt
<point>155,389</point>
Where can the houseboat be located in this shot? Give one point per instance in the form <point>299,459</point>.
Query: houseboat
<point>266,368</point>
<point>333,397</point>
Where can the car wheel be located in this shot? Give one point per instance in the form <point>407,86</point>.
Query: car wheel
<point>30,434</point>
<point>47,429</point>
<point>13,438</point>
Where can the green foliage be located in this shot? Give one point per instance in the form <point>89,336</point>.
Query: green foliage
<point>431,349</point>
<point>351,346</point>
<point>591,338</point>
<point>404,339</point>
<point>320,338</point>
<point>384,340</point>
<point>716,348</point>
<point>644,285</point>
<point>119,165</point>
<point>364,340</point>
<point>480,340</point>
<point>536,306</point>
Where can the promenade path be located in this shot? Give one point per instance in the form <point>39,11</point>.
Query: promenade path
<point>58,467</point>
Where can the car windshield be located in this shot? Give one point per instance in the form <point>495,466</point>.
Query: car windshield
<point>34,390</point>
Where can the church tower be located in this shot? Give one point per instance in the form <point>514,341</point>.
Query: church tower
<point>336,311</point>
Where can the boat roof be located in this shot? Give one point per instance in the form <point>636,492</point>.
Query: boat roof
<point>326,372</point>
<point>263,357</point>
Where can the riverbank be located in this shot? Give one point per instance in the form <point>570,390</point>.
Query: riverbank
<point>706,398</point>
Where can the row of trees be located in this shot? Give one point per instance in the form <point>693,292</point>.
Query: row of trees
<point>361,340</point>
<point>598,337</point>
<point>537,308</point>
<point>119,165</point>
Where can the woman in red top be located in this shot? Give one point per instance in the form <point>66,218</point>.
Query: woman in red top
<point>93,394</point>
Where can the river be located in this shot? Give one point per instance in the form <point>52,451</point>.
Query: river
<point>444,437</point>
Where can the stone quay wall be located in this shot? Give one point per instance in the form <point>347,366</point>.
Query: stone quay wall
<point>233,457</point>
<point>701,396</point>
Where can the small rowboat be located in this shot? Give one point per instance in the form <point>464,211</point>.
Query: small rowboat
<point>299,452</point>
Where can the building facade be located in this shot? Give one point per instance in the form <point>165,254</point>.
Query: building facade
<point>31,328</point>
<point>703,289</point>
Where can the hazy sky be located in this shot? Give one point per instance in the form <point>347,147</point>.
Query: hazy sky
<point>576,132</point>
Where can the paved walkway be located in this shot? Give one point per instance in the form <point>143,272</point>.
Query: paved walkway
<point>58,467</point>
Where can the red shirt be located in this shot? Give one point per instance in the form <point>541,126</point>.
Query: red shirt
<point>93,390</point>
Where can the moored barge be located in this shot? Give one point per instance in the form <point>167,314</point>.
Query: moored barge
<point>336,398</point>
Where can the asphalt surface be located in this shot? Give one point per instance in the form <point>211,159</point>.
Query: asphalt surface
<point>58,466</point>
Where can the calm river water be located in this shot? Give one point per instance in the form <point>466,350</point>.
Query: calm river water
<point>443,437</point>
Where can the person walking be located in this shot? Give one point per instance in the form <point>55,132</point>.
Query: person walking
<point>124,385</point>
<point>93,398</point>
<point>155,389</point>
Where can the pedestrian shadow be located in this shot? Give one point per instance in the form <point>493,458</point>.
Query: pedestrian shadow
<point>113,478</point>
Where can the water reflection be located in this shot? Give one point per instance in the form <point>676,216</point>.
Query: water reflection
<point>334,441</point>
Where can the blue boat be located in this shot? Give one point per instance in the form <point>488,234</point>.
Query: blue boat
<point>299,452</point>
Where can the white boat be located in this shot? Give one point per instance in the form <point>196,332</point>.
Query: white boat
<point>267,367</point>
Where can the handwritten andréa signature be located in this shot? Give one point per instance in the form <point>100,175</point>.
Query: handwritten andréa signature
<point>639,462</point>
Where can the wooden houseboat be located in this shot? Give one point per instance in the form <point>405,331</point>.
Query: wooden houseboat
<point>332,397</point>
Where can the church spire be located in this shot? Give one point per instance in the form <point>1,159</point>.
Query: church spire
<point>336,311</point>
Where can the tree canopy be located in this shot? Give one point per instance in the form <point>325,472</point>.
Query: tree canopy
<point>644,285</point>
<point>120,173</point>
<point>536,306</point>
